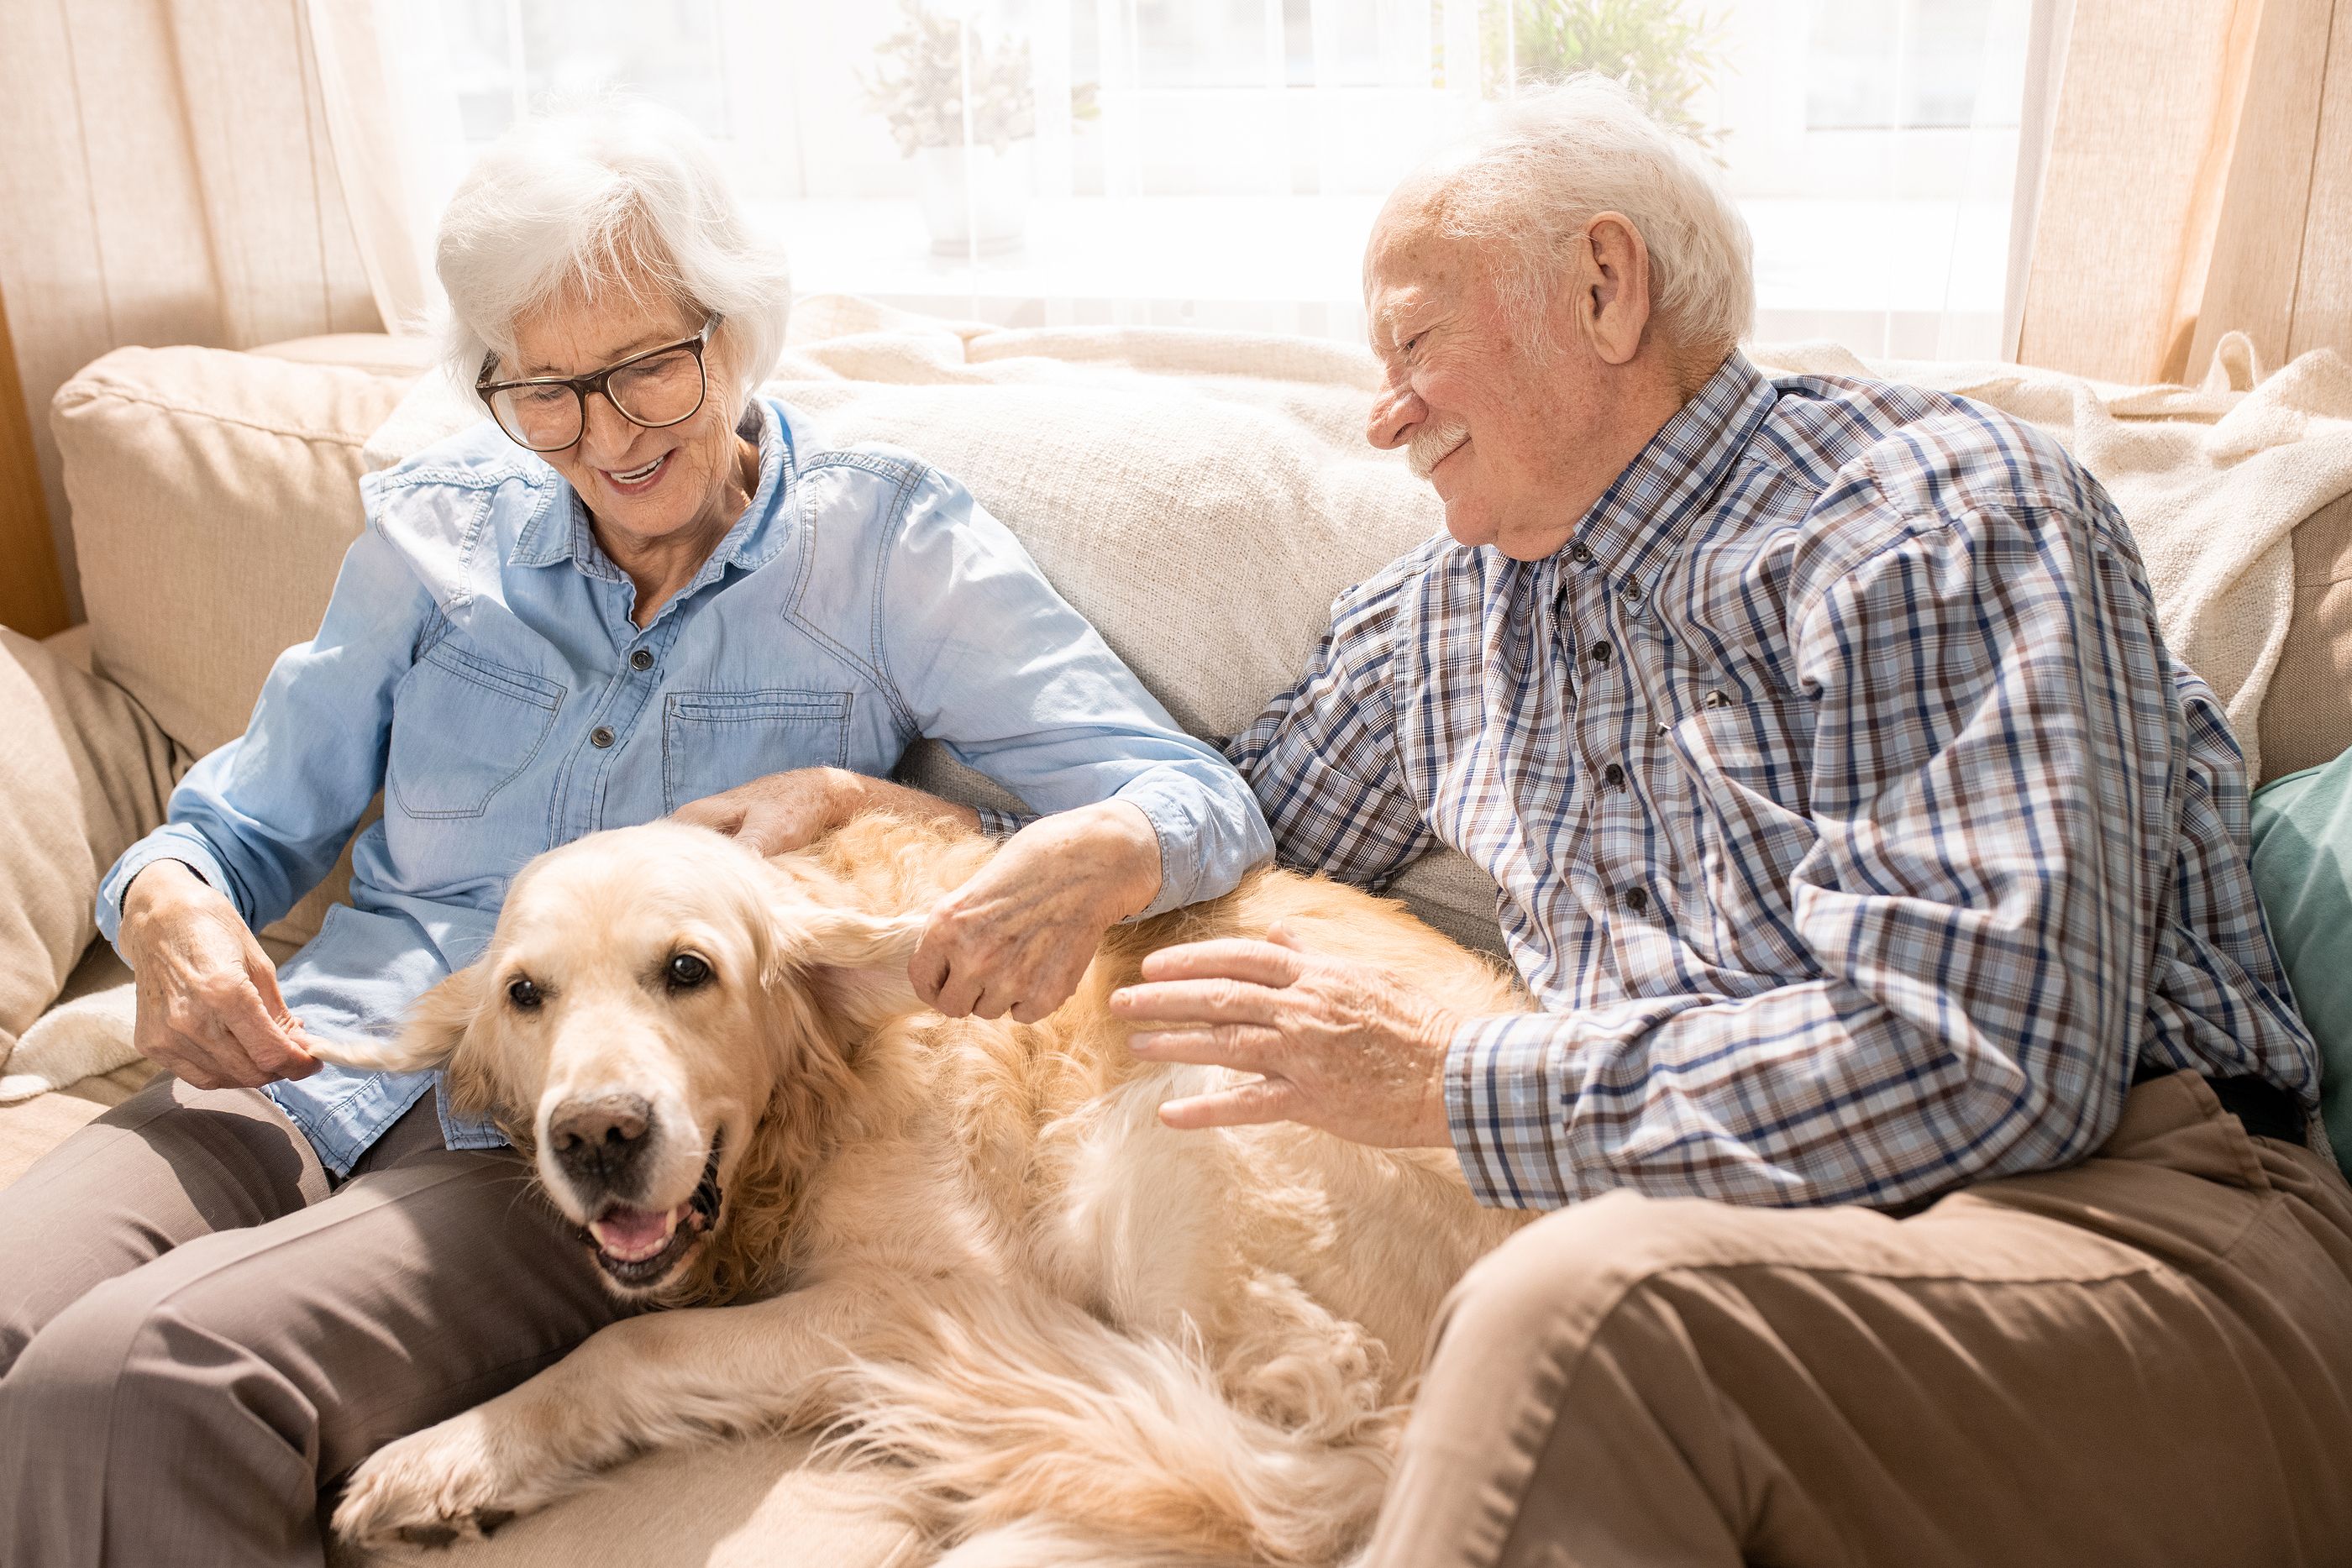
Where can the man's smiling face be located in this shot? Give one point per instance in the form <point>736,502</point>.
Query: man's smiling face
<point>1519,425</point>
<point>1464,392</point>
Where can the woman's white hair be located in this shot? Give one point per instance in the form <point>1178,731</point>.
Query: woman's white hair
<point>1544,165</point>
<point>614,196</point>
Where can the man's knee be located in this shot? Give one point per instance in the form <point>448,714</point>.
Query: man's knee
<point>1548,1290</point>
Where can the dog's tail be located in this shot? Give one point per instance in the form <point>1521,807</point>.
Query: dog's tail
<point>1030,1415</point>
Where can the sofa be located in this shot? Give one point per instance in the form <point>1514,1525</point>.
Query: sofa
<point>1200,496</point>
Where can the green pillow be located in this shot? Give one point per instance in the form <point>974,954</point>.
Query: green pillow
<point>2303,873</point>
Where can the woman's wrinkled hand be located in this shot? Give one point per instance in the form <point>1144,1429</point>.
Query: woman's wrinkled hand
<point>782,812</point>
<point>1016,939</point>
<point>209,1008</point>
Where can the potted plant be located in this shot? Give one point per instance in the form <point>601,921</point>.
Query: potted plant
<point>1657,47</point>
<point>975,194</point>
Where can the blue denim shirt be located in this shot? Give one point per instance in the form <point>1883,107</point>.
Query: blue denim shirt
<point>477,665</point>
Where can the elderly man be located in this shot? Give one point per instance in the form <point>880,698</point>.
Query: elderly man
<point>1916,1080</point>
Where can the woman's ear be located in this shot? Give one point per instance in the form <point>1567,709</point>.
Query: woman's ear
<point>436,1026</point>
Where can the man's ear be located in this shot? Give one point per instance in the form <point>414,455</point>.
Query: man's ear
<point>436,1026</point>
<point>1615,287</point>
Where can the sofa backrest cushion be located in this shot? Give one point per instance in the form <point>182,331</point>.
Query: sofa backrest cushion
<point>213,494</point>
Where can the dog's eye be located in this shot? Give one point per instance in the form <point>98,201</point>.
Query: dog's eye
<point>688,970</point>
<point>523,993</point>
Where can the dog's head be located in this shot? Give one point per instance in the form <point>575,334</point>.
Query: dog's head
<point>664,1020</point>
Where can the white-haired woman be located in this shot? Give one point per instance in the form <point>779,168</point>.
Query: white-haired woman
<point>635,586</point>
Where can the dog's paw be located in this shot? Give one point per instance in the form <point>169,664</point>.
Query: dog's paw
<point>446,1483</point>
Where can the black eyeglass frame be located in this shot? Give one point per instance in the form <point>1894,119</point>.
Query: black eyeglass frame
<point>580,386</point>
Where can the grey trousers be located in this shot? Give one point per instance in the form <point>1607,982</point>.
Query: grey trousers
<point>199,1333</point>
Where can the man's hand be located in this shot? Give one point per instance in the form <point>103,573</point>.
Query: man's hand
<point>1337,1044</point>
<point>782,811</point>
<point>1017,937</point>
<point>208,1003</point>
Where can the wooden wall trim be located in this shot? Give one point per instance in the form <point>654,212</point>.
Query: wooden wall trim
<point>32,590</point>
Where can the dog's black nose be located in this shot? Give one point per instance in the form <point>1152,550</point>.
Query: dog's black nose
<point>597,1141</point>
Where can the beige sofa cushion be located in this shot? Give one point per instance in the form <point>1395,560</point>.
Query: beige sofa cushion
<point>213,494</point>
<point>2306,716</point>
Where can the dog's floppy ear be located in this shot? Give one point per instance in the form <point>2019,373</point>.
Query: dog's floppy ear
<point>437,1024</point>
<point>855,963</point>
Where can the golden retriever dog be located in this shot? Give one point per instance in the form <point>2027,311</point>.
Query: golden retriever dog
<point>967,1247</point>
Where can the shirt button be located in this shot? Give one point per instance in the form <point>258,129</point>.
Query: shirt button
<point>1601,651</point>
<point>1615,776</point>
<point>1637,899</point>
<point>601,737</point>
<point>1716,698</point>
<point>1630,593</point>
<point>642,659</point>
<point>1581,553</point>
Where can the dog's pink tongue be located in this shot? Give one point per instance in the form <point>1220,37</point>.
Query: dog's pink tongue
<point>632,1232</point>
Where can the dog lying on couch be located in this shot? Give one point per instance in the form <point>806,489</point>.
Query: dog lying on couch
<point>965,1246</point>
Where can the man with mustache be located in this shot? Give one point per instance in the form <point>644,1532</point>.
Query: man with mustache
<point>1915,1084</point>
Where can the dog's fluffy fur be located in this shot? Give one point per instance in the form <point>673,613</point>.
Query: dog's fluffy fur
<point>966,1246</point>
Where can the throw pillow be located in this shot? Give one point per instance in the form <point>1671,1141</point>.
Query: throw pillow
<point>2303,871</point>
<point>84,772</point>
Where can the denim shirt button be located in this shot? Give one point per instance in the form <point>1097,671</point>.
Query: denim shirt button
<point>601,737</point>
<point>642,659</point>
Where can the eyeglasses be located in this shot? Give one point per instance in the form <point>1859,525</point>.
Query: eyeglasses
<point>660,386</point>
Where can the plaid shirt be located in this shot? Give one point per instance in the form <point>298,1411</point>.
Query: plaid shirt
<point>1856,833</point>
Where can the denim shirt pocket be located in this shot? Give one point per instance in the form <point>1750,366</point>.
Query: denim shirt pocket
<point>712,741</point>
<point>463,728</point>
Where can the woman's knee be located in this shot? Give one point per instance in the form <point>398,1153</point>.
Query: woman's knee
<point>145,1349</point>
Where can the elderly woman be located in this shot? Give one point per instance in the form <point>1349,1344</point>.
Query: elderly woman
<point>635,586</point>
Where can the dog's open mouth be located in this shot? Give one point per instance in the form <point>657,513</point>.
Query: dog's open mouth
<point>639,1246</point>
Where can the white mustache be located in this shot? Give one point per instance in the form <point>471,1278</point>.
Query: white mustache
<point>1433,444</point>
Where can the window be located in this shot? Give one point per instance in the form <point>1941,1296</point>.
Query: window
<point>1219,161</point>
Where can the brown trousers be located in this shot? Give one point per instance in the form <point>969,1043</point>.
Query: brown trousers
<point>2143,1359</point>
<point>198,1334</point>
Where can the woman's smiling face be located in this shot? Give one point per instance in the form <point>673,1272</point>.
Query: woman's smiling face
<point>648,484</point>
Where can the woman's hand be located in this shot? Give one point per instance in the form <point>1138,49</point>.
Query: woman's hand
<point>782,812</point>
<point>208,1003</point>
<point>1017,937</point>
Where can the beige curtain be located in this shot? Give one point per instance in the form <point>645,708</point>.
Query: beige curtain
<point>164,178</point>
<point>2197,181</point>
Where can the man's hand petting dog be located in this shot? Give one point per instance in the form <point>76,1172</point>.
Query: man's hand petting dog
<point>1336,1044</point>
<point>1013,940</point>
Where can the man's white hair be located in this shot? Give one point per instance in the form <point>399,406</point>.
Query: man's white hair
<point>615,195</point>
<point>1542,166</point>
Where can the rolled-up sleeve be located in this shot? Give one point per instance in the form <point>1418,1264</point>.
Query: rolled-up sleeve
<point>984,656</point>
<point>263,818</point>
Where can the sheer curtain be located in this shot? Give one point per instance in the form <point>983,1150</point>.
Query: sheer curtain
<point>1215,162</point>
